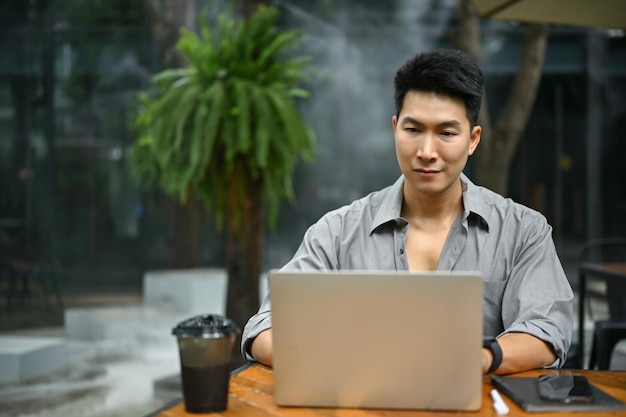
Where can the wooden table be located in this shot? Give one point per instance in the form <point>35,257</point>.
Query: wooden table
<point>251,391</point>
<point>604,271</point>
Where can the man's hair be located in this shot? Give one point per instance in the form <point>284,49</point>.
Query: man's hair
<point>448,72</point>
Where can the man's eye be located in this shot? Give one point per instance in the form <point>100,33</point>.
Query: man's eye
<point>411,129</point>
<point>447,133</point>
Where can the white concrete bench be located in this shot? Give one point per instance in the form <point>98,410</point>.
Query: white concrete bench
<point>169,297</point>
<point>192,291</point>
<point>25,358</point>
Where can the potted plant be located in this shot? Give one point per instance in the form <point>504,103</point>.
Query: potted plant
<point>226,130</point>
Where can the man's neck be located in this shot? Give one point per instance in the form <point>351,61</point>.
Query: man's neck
<point>427,211</point>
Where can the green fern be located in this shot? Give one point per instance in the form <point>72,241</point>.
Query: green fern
<point>228,118</point>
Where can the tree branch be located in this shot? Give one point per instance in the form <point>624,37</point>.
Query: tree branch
<point>165,24</point>
<point>518,108</point>
<point>468,40</point>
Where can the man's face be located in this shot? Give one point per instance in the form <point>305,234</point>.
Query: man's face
<point>433,141</point>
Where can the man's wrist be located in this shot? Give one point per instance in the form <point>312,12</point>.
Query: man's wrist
<point>493,346</point>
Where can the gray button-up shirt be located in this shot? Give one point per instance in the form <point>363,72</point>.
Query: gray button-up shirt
<point>525,290</point>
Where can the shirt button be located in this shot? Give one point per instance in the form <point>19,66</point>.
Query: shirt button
<point>401,251</point>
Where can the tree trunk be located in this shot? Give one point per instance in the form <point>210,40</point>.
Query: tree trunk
<point>498,145</point>
<point>186,226</point>
<point>245,239</point>
<point>248,7</point>
<point>493,170</point>
<point>166,19</point>
<point>244,252</point>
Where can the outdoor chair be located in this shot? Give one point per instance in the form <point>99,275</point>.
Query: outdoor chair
<point>607,331</point>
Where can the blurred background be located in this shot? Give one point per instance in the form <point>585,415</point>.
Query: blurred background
<point>71,70</point>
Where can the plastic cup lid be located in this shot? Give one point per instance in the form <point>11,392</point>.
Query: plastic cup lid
<point>206,326</point>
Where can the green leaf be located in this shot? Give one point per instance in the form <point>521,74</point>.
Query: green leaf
<point>243,122</point>
<point>215,110</point>
<point>262,129</point>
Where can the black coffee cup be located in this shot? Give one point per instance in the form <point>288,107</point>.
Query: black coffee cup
<point>205,344</point>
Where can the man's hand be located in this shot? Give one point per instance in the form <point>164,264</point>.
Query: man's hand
<point>520,352</point>
<point>262,349</point>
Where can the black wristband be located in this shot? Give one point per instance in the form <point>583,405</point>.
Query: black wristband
<point>494,347</point>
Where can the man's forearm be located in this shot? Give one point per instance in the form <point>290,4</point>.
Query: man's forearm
<point>520,352</point>
<point>262,348</point>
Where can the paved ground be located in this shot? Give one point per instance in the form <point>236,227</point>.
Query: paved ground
<point>101,379</point>
<point>113,380</point>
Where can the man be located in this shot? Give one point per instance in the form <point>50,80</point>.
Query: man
<point>435,218</point>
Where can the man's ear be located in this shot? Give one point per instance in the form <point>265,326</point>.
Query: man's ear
<point>394,123</point>
<point>474,139</point>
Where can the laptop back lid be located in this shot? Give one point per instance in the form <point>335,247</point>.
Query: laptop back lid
<point>372,339</point>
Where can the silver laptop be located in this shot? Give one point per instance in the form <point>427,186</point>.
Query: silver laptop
<point>372,339</point>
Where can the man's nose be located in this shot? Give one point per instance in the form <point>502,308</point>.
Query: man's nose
<point>427,148</point>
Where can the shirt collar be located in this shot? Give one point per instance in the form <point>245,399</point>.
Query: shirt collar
<point>472,201</point>
<point>391,206</point>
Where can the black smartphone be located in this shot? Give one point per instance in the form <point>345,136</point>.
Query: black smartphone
<point>565,388</point>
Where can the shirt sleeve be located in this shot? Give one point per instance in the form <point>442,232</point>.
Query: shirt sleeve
<point>258,323</point>
<point>538,298</point>
<point>315,252</point>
